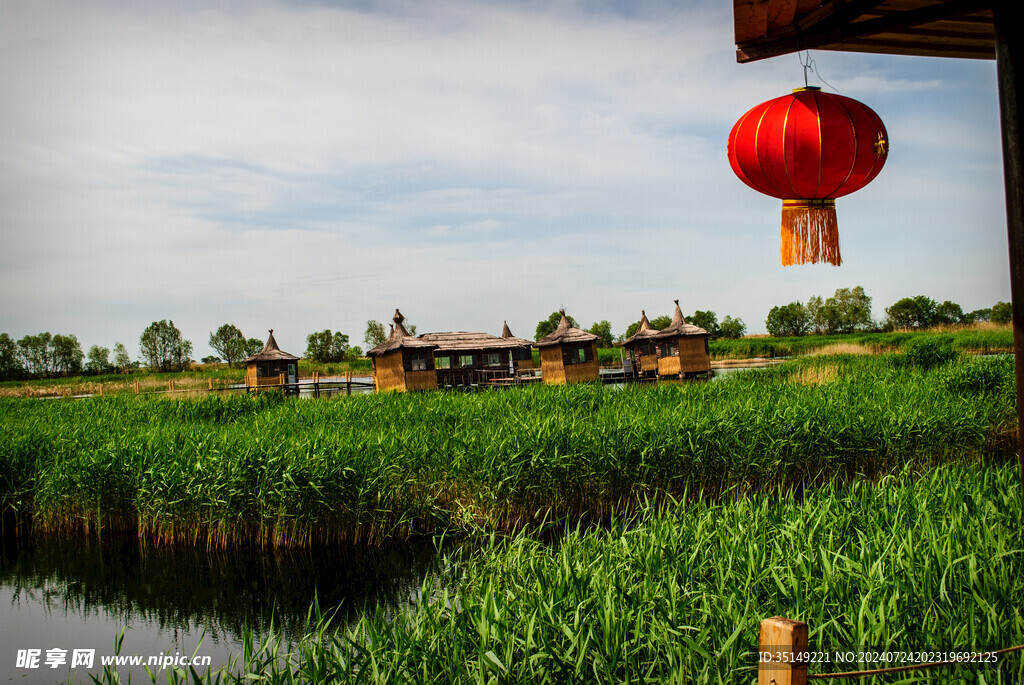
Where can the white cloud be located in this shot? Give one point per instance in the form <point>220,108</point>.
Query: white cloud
<point>308,166</point>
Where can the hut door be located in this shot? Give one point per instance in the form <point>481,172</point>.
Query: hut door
<point>291,374</point>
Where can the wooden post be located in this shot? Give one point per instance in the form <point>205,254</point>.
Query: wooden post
<point>348,382</point>
<point>136,387</point>
<point>1009,29</point>
<point>781,639</point>
<point>211,383</point>
<point>101,390</point>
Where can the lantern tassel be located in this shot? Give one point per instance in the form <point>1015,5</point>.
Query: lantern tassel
<point>810,232</point>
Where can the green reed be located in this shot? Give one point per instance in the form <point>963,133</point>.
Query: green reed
<point>976,341</point>
<point>262,469</point>
<point>675,593</point>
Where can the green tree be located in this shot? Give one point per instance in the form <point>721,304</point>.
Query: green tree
<point>229,343</point>
<point>788,320</point>
<point>10,364</point>
<point>163,348</point>
<point>816,316</point>
<point>707,320</point>
<point>98,360</point>
<point>548,325</point>
<point>978,315</point>
<point>733,328</point>
<point>374,335</point>
<point>911,312</point>
<point>253,346</point>
<point>847,311</point>
<point>67,355</point>
<point>1002,312</point>
<point>326,346</point>
<point>355,352</point>
<point>37,354</point>
<point>122,362</point>
<point>949,313</point>
<point>211,359</point>
<point>603,331</point>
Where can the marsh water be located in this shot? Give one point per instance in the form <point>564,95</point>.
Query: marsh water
<point>80,594</point>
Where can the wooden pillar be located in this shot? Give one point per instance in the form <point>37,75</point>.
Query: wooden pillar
<point>1009,29</point>
<point>781,639</point>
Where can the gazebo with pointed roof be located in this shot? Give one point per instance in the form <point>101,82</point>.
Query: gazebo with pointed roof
<point>271,367</point>
<point>403,362</point>
<point>683,348</point>
<point>568,354</point>
<point>642,347</point>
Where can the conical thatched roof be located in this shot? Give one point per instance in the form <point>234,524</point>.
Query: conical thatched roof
<point>565,333</point>
<point>271,352</point>
<point>506,335</point>
<point>644,332</point>
<point>399,339</point>
<point>679,327</point>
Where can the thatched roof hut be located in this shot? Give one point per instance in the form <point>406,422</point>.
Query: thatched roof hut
<point>271,366</point>
<point>568,354</point>
<point>403,362</point>
<point>463,358</point>
<point>683,348</point>
<point>643,347</point>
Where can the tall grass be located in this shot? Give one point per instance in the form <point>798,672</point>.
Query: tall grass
<point>675,595</point>
<point>980,340</point>
<point>265,470</point>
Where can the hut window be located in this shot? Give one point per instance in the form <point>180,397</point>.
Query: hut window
<point>492,359</point>
<point>466,360</point>
<point>443,362</point>
<point>668,350</point>
<point>521,354</point>
<point>417,361</point>
<point>649,349</point>
<point>576,355</point>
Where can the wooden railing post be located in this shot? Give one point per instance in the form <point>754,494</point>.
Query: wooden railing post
<point>783,642</point>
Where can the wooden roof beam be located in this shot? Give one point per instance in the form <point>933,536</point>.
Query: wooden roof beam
<point>820,29</point>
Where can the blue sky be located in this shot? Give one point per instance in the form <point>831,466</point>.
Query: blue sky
<point>312,165</point>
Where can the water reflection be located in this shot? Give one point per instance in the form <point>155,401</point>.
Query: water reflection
<point>83,591</point>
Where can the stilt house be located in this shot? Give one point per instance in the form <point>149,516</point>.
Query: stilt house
<point>463,359</point>
<point>568,354</point>
<point>403,362</point>
<point>271,367</point>
<point>643,348</point>
<point>682,349</point>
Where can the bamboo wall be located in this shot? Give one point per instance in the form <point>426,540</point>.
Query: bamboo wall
<point>649,362</point>
<point>388,373</point>
<point>693,354</point>
<point>524,365</point>
<point>668,366</point>
<point>551,367</point>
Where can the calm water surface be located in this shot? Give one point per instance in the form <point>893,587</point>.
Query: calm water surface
<point>68,594</point>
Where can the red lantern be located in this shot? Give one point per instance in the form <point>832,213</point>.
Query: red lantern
<point>807,149</point>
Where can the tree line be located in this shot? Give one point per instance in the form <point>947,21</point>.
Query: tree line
<point>163,348</point>
<point>849,311</point>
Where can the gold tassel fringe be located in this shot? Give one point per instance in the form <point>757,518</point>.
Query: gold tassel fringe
<point>810,232</point>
